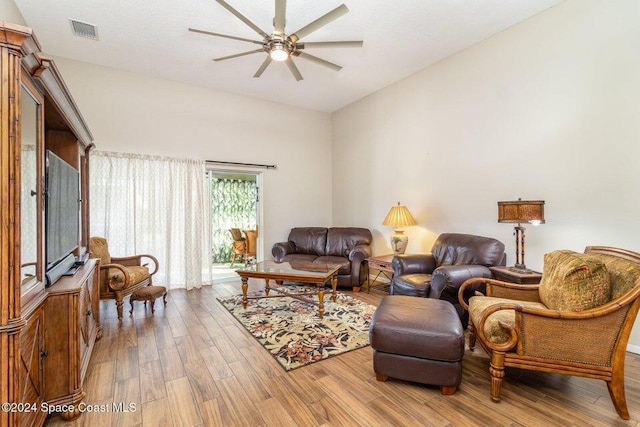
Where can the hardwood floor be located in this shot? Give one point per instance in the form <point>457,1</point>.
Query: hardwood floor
<point>193,364</point>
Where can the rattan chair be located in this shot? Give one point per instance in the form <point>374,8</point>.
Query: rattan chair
<point>239,245</point>
<point>120,277</point>
<point>517,330</point>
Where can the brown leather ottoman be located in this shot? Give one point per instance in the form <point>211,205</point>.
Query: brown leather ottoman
<point>417,339</point>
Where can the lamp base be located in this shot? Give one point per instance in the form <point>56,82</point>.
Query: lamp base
<point>399,242</point>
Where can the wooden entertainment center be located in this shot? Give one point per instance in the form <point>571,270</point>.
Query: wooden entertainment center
<point>46,333</point>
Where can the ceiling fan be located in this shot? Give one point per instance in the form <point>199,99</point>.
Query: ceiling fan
<point>281,47</point>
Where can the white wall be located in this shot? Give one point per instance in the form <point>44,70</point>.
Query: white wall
<point>9,12</point>
<point>549,109</point>
<point>132,113</point>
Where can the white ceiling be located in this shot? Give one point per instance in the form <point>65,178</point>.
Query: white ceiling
<point>151,37</point>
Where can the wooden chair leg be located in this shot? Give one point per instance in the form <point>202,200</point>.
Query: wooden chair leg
<point>496,369</point>
<point>119,304</point>
<point>472,336</point>
<point>616,392</point>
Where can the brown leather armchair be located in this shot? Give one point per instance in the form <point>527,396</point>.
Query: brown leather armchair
<point>579,325</point>
<point>122,276</point>
<point>454,258</point>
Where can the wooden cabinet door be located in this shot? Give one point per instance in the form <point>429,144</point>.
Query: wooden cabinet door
<point>30,369</point>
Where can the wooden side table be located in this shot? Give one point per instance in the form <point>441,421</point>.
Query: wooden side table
<point>382,264</point>
<point>506,274</point>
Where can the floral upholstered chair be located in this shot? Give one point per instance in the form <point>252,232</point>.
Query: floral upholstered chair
<point>577,321</point>
<point>120,277</point>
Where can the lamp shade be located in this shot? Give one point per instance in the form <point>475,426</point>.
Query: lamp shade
<point>519,211</point>
<point>399,216</point>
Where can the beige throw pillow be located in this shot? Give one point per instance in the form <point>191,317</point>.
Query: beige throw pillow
<point>573,281</point>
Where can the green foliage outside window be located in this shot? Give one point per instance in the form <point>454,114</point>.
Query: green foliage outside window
<point>233,206</point>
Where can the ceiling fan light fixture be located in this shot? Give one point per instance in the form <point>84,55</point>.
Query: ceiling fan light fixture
<point>279,52</point>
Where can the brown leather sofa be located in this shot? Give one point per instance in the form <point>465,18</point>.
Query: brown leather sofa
<point>347,246</point>
<point>454,258</point>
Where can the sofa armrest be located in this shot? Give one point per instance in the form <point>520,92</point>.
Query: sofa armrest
<point>359,253</point>
<point>411,264</point>
<point>449,278</point>
<point>280,249</point>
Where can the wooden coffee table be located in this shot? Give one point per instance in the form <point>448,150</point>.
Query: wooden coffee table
<point>305,272</point>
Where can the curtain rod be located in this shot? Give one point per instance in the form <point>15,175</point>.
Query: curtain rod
<point>219,162</point>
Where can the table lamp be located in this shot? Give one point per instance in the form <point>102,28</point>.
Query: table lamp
<point>521,211</point>
<point>399,216</point>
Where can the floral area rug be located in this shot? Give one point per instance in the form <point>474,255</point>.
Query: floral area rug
<point>292,331</point>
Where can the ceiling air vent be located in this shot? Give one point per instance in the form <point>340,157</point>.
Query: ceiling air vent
<point>83,29</point>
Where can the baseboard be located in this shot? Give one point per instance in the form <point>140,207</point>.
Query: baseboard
<point>631,348</point>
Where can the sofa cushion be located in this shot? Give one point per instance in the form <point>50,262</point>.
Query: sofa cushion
<point>341,240</point>
<point>573,281</point>
<point>345,264</point>
<point>309,240</point>
<point>467,249</point>
<point>492,329</point>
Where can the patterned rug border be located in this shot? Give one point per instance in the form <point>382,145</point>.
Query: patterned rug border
<point>304,350</point>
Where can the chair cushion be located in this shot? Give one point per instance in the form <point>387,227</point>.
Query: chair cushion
<point>415,285</point>
<point>136,274</point>
<point>98,249</point>
<point>492,329</point>
<point>573,281</point>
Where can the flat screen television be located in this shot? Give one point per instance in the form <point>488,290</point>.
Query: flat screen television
<point>62,211</point>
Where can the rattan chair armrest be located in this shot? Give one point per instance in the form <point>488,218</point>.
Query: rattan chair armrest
<point>471,282</point>
<point>115,286</point>
<point>156,264</point>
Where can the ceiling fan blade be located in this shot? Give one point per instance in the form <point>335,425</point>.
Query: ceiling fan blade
<point>330,44</point>
<point>209,33</point>
<point>294,70</point>
<point>278,21</point>
<point>238,55</point>
<point>243,18</point>
<point>320,61</point>
<point>263,67</point>
<point>320,22</point>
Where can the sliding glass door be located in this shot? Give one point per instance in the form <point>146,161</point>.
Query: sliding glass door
<point>234,204</point>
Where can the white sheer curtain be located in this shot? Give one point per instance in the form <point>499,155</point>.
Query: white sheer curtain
<point>153,205</point>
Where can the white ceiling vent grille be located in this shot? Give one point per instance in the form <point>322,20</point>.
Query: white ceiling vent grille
<point>83,29</point>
